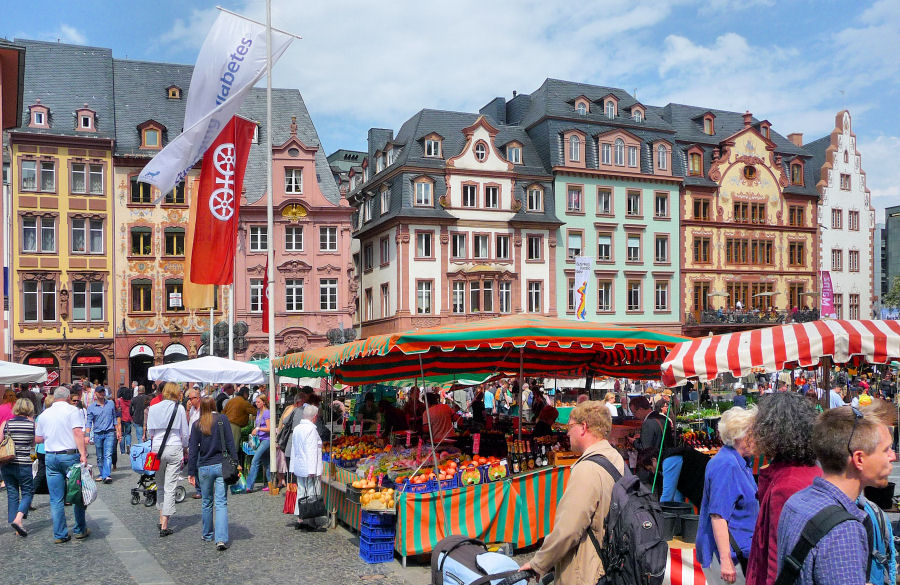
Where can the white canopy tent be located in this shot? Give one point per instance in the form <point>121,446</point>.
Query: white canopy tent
<point>13,373</point>
<point>208,370</point>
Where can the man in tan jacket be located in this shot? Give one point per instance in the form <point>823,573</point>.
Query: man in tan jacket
<point>584,504</point>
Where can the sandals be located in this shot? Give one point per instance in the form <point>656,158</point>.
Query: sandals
<point>19,530</point>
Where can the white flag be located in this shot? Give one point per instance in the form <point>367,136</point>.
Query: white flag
<point>231,61</point>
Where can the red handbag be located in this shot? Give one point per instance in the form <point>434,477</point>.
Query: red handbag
<point>290,499</point>
<point>152,462</point>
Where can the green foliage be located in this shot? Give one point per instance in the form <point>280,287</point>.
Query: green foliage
<point>892,297</point>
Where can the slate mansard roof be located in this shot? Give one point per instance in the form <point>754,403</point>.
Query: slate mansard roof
<point>125,93</point>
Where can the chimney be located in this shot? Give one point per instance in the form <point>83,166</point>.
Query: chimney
<point>796,138</point>
<point>515,93</point>
<point>748,119</point>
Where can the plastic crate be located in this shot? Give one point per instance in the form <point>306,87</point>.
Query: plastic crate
<point>419,488</point>
<point>449,484</point>
<point>377,545</point>
<point>375,558</point>
<point>372,532</point>
<point>373,519</point>
<point>326,457</point>
<point>353,494</point>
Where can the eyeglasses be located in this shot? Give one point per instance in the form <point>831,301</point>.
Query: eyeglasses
<point>857,416</point>
<point>572,425</point>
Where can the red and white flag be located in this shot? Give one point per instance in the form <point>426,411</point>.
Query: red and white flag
<point>265,298</point>
<point>218,204</point>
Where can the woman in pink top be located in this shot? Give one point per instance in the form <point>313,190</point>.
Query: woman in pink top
<point>782,431</point>
<point>6,406</point>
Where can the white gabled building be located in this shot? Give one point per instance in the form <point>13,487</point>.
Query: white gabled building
<point>846,220</point>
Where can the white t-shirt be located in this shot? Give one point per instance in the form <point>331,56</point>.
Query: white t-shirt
<point>56,423</point>
<point>613,411</point>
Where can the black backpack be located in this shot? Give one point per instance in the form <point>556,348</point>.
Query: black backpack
<point>634,551</point>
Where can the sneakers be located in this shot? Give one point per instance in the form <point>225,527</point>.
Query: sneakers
<point>265,489</point>
<point>163,532</point>
<point>221,546</point>
<point>63,540</point>
<point>107,480</point>
<point>83,535</point>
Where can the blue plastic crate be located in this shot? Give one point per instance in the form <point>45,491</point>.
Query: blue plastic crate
<point>376,519</point>
<point>380,532</point>
<point>375,546</point>
<point>419,488</point>
<point>449,484</point>
<point>374,558</point>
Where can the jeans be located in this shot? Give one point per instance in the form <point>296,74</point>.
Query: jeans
<point>260,457</point>
<point>125,444</point>
<point>671,471</point>
<point>214,494</point>
<point>18,480</point>
<point>57,465</point>
<point>105,442</point>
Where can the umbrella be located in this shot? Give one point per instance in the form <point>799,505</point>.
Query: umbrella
<point>209,370</point>
<point>529,344</point>
<point>13,373</point>
<point>785,346</point>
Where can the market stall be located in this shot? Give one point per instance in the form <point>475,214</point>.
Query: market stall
<point>208,370</point>
<point>13,373</point>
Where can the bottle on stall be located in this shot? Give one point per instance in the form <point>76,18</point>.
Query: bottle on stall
<point>514,461</point>
<point>545,460</point>
<point>530,455</point>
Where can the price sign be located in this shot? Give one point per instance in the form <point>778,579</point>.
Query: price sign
<point>408,438</point>
<point>378,430</point>
<point>476,443</point>
<point>419,451</point>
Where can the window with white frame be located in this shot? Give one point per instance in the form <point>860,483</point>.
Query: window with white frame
<point>492,197</point>
<point>853,260</point>
<point>33,170</point>
<point>575,199</point>
<point>259,241</point>
<point>514,154</point>
<point>837,260</point>
<point>48,234</point>
<point>839,305</point>
<point>574,148</point>
<point>480,151</point>
<point>458,245</point>
<point>293,295</point>
<point>370,305</point>
<point>256,288</point>
<point>424,191</point>
<point>293,180</point>
<point>87,178</point>
<point>87,301</point>
<point>610,108</point>
<point>535,296</point>
<point>574,245</point>
<point>535,246</point>
<point>487,290</point>
<point>535,199</point>
<point>328,239</point>
<point>385,201</point>
<point>604,201</point>
<point>458,296</point>
<point>480,246</point>
<point>637,116</point>
<point>328,294</point>
<point>633,296</point>
<point>634,248</point>
<point>29,175</point>
<point>633,203</point>
<point>424,245</point>
<point>423,297</point>
<point>662,158</point>
<point>604,295</point>
<point>604,247</point>
<point>38,118</point>
<point>606,153</point>
<point>475,297</point>
<point>570,294</point>
<point>385,249</point>
<point>662,295</point>
<point>39,301</point>
<point>661,204</point>
<point>581,108</point>
<point>853,220</point>
<point>504,293</point>
<point>502,247</point>
<point>632,156</point>
<point>368,256</point>
<point>432,147</point>
<point>620,152</point>
<point>385,299</point>
<point>837,219</point>
<point>293,238</point>
<point>470,195</point>
<point>662,248</point>
<point>854,306</point>
<point>87,236</point>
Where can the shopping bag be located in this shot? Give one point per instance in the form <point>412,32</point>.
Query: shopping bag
<point>35,467</point>
<point>73,484</point>
<point>152,462</point>
<point>88,486</point>
<point>290,499</point>
<point>240,486</point>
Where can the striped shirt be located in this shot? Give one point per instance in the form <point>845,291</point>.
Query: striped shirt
<point>21,430</point>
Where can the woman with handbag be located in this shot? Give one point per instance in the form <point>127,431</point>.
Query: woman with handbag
<point>19,430</point>
<point>261,453</point>
<point>209,446</point>
<point>169,433</point>
<point>306,465</point>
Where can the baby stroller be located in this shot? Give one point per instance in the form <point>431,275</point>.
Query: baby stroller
<point>146,485</point>
<point>460,560</point>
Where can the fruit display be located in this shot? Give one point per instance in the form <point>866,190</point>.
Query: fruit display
<point>470,476</point>
<point>362,484</point>
<point>347,449</point>
<point>372,499</point>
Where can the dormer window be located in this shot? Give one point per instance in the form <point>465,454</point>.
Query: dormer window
<point>610,108</point>
<point>151,134</point>
<point>480,151</point>
<point>764,130</point>
<point>379,162</point>
<point>514,153</point>
<point>709,124</point>
<point>433,147</point>
<point>581,108</point>
<point>85,119</point>
<point>574,149</point>
<point>620,152</point>
<point>695,164</point>
<point>637,116</point>
<point>173,92</point>
<point>85,122</point>
<point>662,157</point>
<point>796,173</point>
<point>40,116</point>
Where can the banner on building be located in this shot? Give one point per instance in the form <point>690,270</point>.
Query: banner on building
<point>265,298</point>
<point>583,267</point>
<point>231,61</point>
<point>827,296</point>
<point>218,204</point>
<point>196,296</point>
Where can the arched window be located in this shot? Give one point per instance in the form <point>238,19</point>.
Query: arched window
<point>620,152</point>
<point>662,158</point>
<point>581,108</point>
<point>574,149</point>
<point>610,109</point>
<point>637,116</point>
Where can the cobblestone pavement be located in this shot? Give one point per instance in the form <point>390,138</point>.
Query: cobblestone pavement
<point>125,547</point>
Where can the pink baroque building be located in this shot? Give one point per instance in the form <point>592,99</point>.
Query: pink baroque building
<point>314,284</point>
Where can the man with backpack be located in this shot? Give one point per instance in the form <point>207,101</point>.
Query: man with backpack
<point>854,451</point>
<point>585,518</point>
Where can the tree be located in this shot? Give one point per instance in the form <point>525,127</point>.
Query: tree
<point>892,297</point>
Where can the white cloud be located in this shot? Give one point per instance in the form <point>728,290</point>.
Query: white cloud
<point>735,5</point>
<point>879,160</point>
<point>65,34</point>
<point>190,33</point>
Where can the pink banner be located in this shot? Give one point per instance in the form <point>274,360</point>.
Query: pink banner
<point>827,296</point>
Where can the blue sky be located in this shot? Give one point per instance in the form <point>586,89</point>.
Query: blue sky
<point>365,64</point>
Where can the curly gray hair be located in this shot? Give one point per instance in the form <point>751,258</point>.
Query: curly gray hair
<point>783,428</point>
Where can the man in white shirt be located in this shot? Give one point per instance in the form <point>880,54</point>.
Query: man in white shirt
<point>61,429</point>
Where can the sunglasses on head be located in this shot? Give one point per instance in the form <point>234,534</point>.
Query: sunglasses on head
<point>857,415</point>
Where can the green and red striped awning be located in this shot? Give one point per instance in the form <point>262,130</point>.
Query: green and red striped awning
<point>543,346</point>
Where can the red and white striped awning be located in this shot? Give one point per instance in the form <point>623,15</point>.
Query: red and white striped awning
<point>786,346</point>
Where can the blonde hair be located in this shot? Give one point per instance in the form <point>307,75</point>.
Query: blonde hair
<point>609,395</point>
<point>23,407</point>
<point>595,417</point>
<point>171,391</point>
<point>735,424</point>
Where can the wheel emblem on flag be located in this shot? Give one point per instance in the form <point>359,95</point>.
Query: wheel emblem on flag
<point>221,201</point>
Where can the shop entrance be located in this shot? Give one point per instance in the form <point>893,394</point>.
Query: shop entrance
<point>90,364</point>
<point>175,352</point>
<point>45,359</point>
<point>140,359</point>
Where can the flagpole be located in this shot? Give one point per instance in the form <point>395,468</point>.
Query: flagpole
<point>212,334</point>
<point>231,320</point>
<point>270,223</point>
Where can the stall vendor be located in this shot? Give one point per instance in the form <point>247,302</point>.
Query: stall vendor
<point>392,418</point>
<point>442,418</point>
<point>544,425</point>
<point>414,410</point>
<point>368,413</point>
